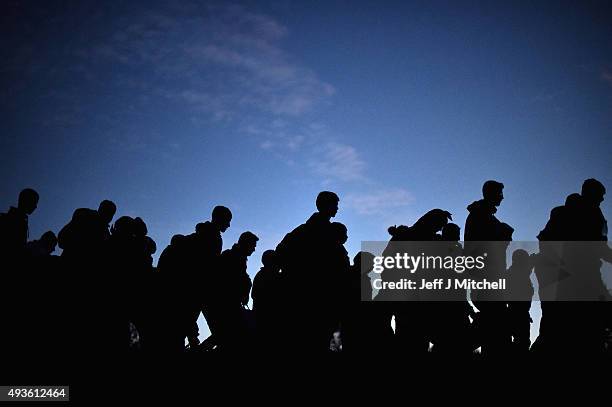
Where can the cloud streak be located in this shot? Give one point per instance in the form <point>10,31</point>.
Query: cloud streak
<point>217,60</point>
<point>201,63</point>
<point>339,161</point>
<point>210,64</point>
<point>379,202</point>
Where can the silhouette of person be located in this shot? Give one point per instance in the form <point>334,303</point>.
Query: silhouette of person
<point>130,256</point>
<point>452,335</point>
<point>82,239</point>
<point>106,211</point>
<point>266,283</point>
<point>560,217</point>
<point>123,264</point>
<point>336,271</point>
<point>147,314</point>
<point>548,269</point>
<point>169,332</point>
<point>97,290</point>
<point>140,227</point>
<point>231,286</point>
<point>150,249</point>
<point>146,246</point>
<point>481,223</point>
<point>168,256</point>
<point>30,292</point>
<point>484,233</point>
<point>451,232</point>
<point>268,301</point>
<point>303,255</point>
<point>205,247</point>
<point>521,293</point>
<point>413,311</point>
<point>581,292</point>
<point>14,225</point>
<point>194,263</point>
<point>365,330</point>
<point>42,247</point>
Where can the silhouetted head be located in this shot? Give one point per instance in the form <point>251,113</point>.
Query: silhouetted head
<point>49,241</point>
<point>85,217</point>
<point>247,242</point>
<point>176,239</point>
<point>339,233</point>
<point>327,204</point>
<point>107,210</point>
<point>400,232</point>
<point>573,200</point>
<point>221,217</point>
<point>150,246</point>
<point>451,233</point>
<point>433,221</point>
<point>593,192</point>
<point>140,227</point>
<point>28,200</point>
<point>124,226</point>
<point>520,259</point>
<point>268,259</point>
<point>493,192</point>
<point>364,262</point>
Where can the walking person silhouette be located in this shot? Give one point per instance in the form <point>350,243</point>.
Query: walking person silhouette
<point>484,233</point>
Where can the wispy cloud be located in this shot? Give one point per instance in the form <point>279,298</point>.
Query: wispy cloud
<point>203,63</point>
<point>285,137</point>
<point>339,161</point>
<point>218,60</point>
<point>379,202</point>
<point>210,65</point>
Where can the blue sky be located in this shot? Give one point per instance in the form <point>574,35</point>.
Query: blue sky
<point>169,109</point>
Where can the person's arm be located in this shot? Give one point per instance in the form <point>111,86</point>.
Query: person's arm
<point>246,288</point>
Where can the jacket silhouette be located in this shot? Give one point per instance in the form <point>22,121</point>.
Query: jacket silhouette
<point>231,285</point>
<point>413,311</point>
<point>581,306</point>
<point>14,226</point>
<point>559,228</point>
<point>484,233</point>
<point>197,258</point>
<point>304,256</point>
<point>83,238</point>
<point>269,300</point>
<point>452,333</point>
<point>520,293</point>
<point>364,329</point>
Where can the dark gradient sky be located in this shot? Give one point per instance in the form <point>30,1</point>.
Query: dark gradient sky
<point>169,109</point>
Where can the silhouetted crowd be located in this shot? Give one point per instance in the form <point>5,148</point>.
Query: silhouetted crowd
<point>103,295</point>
